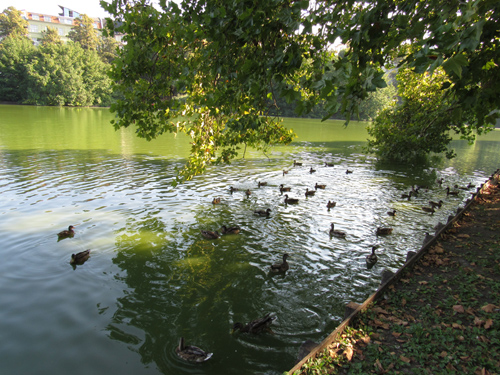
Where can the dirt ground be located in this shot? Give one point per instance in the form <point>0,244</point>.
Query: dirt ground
<point>441,317</point>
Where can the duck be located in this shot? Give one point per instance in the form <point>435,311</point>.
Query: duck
<point>285,172</point>
<point>436,204</point>
<point>232,189</point>
<point>383,231</point>
<point>216,201</point>
<point>66,233</point>
<point>392,213</point>
<point>248,192</point>
<point>290,200</point>
<point>284,189</point>
<point>407,196</point>
<point>80,258</point>
<point>191,353</point>
<point>440,181</point>
<point>255,326</point>
<point>337,233</point>
<point>296,164</point>
<point>372,258</point>
<point>210,234</point>
<point>331,204</point>
<point>328,164</point>
<point>448,192</point>
<point>317,186</point>
<point>312,170</point>
<point>428,209</point>
<point>310,193</point>
<point>262,183</point>
<point>230,230</point>
<point>462,187</point>
<point>348,171</point>
<point>262,212</point>
<point>281,267</point>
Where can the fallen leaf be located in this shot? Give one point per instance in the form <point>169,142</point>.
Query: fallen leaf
<point>366,339</point>
<point>404,359</point>
<point>458,308</point>
<point>488,308</point>
<point>378,365</point>
<point>423,282</point>
<point>348,352</point>
<point>443,354</point>
<point>396,334</point>
<point>463,235</point>
<point>478,322</point>
<point>488,324</point>
<point>450,367</point>
<point>403,302</point>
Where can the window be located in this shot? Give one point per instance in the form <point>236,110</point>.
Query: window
<point>35,17</point>
<point>47,18</point>
<point>61,31</point>
<point>33,28</point>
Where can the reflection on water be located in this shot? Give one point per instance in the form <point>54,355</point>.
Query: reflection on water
<point>152,277</point>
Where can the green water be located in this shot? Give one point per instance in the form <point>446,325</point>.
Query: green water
<point>152,277</point>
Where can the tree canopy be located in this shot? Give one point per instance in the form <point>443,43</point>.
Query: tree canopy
<point>85,34</point>
<point>221,64</point>
<point>12,23</point>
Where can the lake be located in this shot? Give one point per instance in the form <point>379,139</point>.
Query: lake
<point>152,277</point>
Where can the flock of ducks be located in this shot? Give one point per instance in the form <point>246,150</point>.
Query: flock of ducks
<point>195,354</point>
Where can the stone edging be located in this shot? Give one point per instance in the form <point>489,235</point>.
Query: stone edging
<point>389,278</point>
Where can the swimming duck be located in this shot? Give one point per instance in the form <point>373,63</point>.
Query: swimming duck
<point>440,181</point>
<point>248,192</point>
<point>216,201</point>
<point>310,193</point>
<point>383,231</point>
<point>255,326</point>
<point>285,172</point>
<point>372,258</point>
<point>80,258</point>
<point>290,200</point>
<point>428,209</point>
<point>209,234</point>
<point>262,184</point>
<point>319,186</point>
<point>232,189</point>
<point>66,233</point>
<point>462,187</point>
<point>348,171</point>
<point>284,189</point>
<point>231,230</point>
<point>331,204</point>
<point>448,192</point>
<point>295,164</point>
<point>328,164</point>
<point>191,353</point>
<point>312,170</point>
<point>404,195</point>
<point>337,233</point>
<point>263,212</point>
<point>436,204</point>
<point>392,213</point>
<point>280,267</point>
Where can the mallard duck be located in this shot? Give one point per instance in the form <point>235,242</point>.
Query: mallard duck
<point>328,164</point>
<point>191,353</point>
<point>66,233</point>
<point>461,187</point>
<point>372,258</point>
<point>392,213</point>
<point>230,230</point>
<point>295,164</point>
<point>284,189</point>
<point>331,204</point>
<point>337,233</point>
<point>407,196</point>
<point>470,185</point>
<point>348,171</point>
<point>290,200</point>
<point>262,183</point>
<point>80,258</point>
<point>216,201</point>
<point>209,234</point>
<point>312,170</point>
<point>310,193</point>
<point>255,326</point>
<point>263,212</point>
<point>248,192</point>
<point>317,186</point>
<point>281,267</point>
<point>448,192</point>
<point>232,189</point>
<point>383,231</point>
<point>436,204</point>
<point>285,172</point>
<point>428,209</point>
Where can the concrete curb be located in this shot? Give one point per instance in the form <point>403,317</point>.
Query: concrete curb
<point>389,278</point>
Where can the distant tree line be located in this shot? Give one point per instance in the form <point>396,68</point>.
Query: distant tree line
<point>54,73</point>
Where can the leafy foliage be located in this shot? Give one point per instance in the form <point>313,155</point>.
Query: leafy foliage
<point>51,36</point>
<point>85,34</point>
<point>12,24</point>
